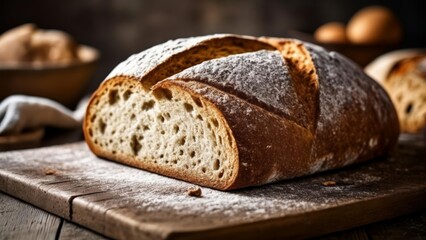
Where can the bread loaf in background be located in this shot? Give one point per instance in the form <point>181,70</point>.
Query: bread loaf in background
<point>228,111</point>
<point>403,75</point>
<point>332,32</point>
<point>374,25</point>
<point>27,44</point>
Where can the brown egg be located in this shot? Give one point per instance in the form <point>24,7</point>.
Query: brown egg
<point>332,32</point>
<point>374,25</point>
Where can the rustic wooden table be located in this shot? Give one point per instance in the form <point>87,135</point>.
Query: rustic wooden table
<point>20,220</point>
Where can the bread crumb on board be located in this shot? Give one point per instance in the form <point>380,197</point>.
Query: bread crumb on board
<point>329,183</point>
<point>50,171</point>
<point>194,191</point>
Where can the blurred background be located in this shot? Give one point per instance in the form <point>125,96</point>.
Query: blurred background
<point>118,28</point>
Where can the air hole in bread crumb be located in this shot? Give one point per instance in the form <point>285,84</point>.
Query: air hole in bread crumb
<point>175,128</point>
<point>113,97</point>
<point>167,161</point>
<point>114,152</point>
<point>220,174</point>
<point>161,155</point>
<point>110,114</point>
<point>203,170</point>
<point>110,141</point>
<point>92,119</point>
<point>409,108</point>
<point>132,117</point>
<point>215,122</point>
<point>161,118</point>
<point>140,137</point>
<point>102,126</point>
<point>216,164</point>
<point>197,101</point>
<point>113,132</point>
<point>96,141</point>
<point>181,152</point>
<point>209,126</point>
<point>192,154</point>
<point>162,132</point>
<point>162,93</point>
<point>186,166</point>
<point>188,107</point>
<point>127,94</point>
<point>166,115</point>
<point>199,117</point>
<point>90,132</point>
<point>135,145</point>
<point>148,105</point>
<point>168,94</point>
<point>174,161</point>
<point>182,141</point>
<point>145,127</point>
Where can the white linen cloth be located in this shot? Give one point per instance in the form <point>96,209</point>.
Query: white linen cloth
<point>19,113</point>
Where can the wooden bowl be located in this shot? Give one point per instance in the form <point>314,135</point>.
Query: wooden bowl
<point>360,54</point>
<point>64,83</point>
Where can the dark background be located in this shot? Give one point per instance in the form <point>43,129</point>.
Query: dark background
<point>119,28</point>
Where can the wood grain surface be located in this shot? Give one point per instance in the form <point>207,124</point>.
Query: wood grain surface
<point>123,202</point>
<point>19,220</point>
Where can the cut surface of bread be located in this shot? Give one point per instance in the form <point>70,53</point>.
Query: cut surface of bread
<point>165,130</point>
<point>406,85</point>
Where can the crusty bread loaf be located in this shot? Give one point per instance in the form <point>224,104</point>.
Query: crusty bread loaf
<point>228,111</point>
<point>403,75</point>
<point>26,44</point>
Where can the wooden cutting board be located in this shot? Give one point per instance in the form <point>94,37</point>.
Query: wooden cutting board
<point>128,203</point>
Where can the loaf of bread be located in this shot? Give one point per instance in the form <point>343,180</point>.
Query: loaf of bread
<point>374,25</point>
<point>26,44</point>
<point>403,75</point>
<point>228,111</point>
<point>332,32</point>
